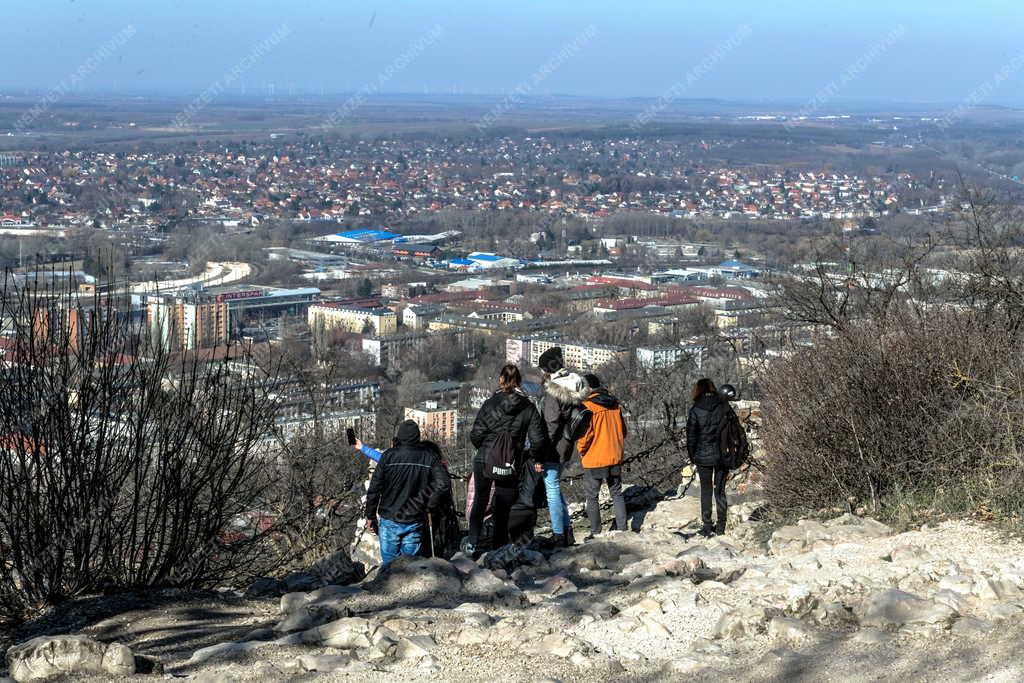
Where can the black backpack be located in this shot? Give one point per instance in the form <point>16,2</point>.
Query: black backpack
<point>732,439</point>
<point>503,460</point>
<point>577,422</point>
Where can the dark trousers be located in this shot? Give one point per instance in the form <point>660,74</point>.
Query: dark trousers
<point>500,507</point>
<point>712,480</point>
<point>592,480</point>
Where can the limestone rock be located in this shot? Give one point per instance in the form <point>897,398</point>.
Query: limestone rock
<point>954,601</point>
<point>347,633</point>
<point>809,533</point>
<point>741,622</point>
<point>996,589</point>
<point>800,602</point>
<point>484,586</point>
<point>558,585</point>
<point>893,608</point>
<point>464,564</point>
<point>558,645</point>
<point>471,636</point>
<point>50,656</point>
<point>224,651</point>
<point>959,584</point>
<point>305,618</point>
<point>601,609</point>
<point>1003,610</point>
<point>748,511</point>
<point>415,647</point>
<point>324,663</point>
<point>910,554</point>
<point>833,614</point>
<point>970,626</point>
<point>645,606</point>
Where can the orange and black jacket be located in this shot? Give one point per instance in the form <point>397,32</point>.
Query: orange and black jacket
<point>604,442</point>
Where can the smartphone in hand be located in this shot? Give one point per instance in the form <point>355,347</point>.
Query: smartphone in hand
<point>351,434</point>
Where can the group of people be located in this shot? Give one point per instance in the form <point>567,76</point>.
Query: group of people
<point>522,444</point>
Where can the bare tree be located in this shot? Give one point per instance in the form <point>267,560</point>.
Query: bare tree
<point>122,465</point>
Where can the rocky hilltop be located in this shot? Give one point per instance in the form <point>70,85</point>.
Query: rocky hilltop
<point>840,599</point>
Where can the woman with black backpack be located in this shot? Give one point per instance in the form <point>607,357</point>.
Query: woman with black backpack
<point>703,444</point>
<point>500,432</point>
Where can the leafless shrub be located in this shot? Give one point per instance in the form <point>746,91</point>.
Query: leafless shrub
<point>316,497</point>
<point>894,407</point>
<point>122,465</point>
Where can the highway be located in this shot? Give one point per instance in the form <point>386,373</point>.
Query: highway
<point>216,273</point>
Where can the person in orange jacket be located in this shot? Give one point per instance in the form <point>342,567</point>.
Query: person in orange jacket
<point>601,449</point>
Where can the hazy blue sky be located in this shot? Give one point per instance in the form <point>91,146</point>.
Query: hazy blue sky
<point>796,48</point>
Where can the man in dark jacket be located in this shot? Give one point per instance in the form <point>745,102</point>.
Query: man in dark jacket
<point>408,483</point>
<point>703,434</point>
<point>508,410</point>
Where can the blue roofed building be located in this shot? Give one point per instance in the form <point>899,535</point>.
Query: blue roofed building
<point>736,270</point>
<point>361,236</point>
<point>481,260</point>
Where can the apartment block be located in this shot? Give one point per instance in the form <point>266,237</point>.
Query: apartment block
<point>578,355</point>
<point>438,422</point>
<point>374,320</point>
<point>179,325</point>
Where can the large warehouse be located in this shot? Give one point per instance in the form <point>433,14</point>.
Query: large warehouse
<point>360,236</point>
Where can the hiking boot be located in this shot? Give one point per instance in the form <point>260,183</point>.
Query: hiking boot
<point>707,531</point>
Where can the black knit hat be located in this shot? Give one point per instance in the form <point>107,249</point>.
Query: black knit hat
<point>592,380</point>
<point>408,433</point>
<point>551,361</point>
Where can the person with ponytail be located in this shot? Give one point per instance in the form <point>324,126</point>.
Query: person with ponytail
<point>508,412</point>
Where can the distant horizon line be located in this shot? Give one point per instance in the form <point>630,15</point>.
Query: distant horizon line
<point>23,92</point>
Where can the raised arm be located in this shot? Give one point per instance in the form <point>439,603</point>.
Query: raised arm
<point>370,452</point>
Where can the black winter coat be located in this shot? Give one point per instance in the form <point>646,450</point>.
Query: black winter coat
<point>512,412</point>
<point>409,481</point>
<point>702,431</point>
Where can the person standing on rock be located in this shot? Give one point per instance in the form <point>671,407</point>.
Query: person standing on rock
<point>409,482</point>
<point>703,445</point>
<point>503,426</point>
<point>601,449</point>
<point>564,392</point>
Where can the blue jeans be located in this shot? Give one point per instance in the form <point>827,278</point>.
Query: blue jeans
<point>553,490</point>
<point>399,539</point>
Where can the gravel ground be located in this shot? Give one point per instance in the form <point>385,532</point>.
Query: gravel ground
<point>643,607</point>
